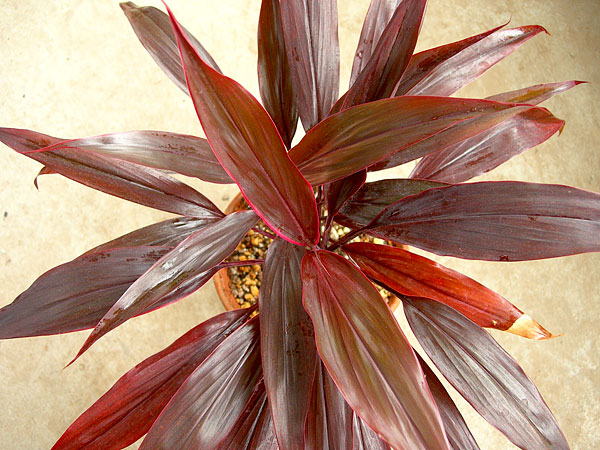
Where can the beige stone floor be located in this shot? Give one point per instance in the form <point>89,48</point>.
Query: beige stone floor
<point>74,68</point>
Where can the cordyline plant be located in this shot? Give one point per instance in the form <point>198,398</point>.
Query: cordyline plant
<point>324,363</point>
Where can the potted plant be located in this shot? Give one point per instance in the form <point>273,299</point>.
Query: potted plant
<point>348,350</point>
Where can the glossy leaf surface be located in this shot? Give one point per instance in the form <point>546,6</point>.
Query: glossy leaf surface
<point>311,37</point>
<point>177,273</point>
<point>496,221</point>
<point>367,355</point>
<point>488,150</point>
<point>139,184</point>
<point>364,438</point>
<point>338,192</point>
<point>287,342</point>
<point>488,377</point>
<point>126,412</point>
<point>76,295</point>
<point>209,403</point>
<point>444,70</point>
<point>274,76</point>
<point>389,59</point>
<point>407,127</point>
<point>245,140</point>
<point>153,29</point>
<point>414,275</point>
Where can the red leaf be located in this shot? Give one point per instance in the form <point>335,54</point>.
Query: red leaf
<point>122,179</point>
<point>287,342</point>
<point>178,273</point>
<point>311,40</point>
<point>488,377</point>
<point>245,141</point>
<point>126,412</point>
<point>493,147</point>
<point>383,70</point>
<point>367,355</point>
<point>207,406</point>
<point>444,70</point>
<point>496,221</point>
<point>338,192</point>
<point>413,275</point>
<point>274,77</point>
<point>153,29</point>
<point>365,438</point>
<point>404,127</point>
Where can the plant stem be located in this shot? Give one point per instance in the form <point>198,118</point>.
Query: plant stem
<point>346,238</point>
<point>249,262</point>
<point>264,233</point>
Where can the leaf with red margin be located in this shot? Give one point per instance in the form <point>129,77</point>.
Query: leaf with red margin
<point>444,70</point>
<point>311,40</point>
<point>153,29</point>
<point>274,76</point>
<point>391,56</point>
<point>488,150</point>
<point>366,354</point>
<point>485,375</point>
<point>368,202</point>
<point>365,438</point>
<point>495,221</point>
<point>404,127</point>
<point>329,420</point>
<point>287,342</point>
<point>126,412</point>
<point>199,254</point>
<point>139,184</point>
<point>458,432</point>
<point>209,403</point>
<point>410,274</point>
<point>245,141</point>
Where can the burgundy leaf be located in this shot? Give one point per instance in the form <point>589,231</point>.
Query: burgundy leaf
<point>329,420</point>
<point>493,147</point>
<point>404,127</point>
<point>274,77</point>
<point>391,56</point>
<point>287,342</point>
<point>311,40</point>
<point>378,16</point>
<point>122,179</point>
<point>410,274</point>
<point>338,192</point>
<point>496,221</point>
<point>364,438</point>
<point>373,197</point>
<point>207,406</point>
<point>444,70</point>
<point>76,295</point>
<point>458,432</point>
<point>126,412</point>
<point>178,272</point>
<point>367,355</point>
<point>245,141</point>
<point>153,29</point>
<point>488,377</point>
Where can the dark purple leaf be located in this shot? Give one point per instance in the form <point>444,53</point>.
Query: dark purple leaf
<point>153,29</point>
<point>366,354</point>
<point>410,274</point>
<point>373,197</point>
<point>444,70</point>
<point>488,377</point>
<point>389,59</point>
<point>493,147</point>
<point>496,221</point>
<point>311,40</point>
<point>274,77</point>
<point>404,127</point>
<point>365,438</point>
<point>126,412</point>
<point>139,184</point>
<point>207,406</point>
<point>329,420</point>
<point>287,342</point>
<point>245,141</point>
<point>338,192</point>
<point>177,273</point>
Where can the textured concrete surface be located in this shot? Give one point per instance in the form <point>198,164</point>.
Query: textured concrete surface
<point>74,68</point>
